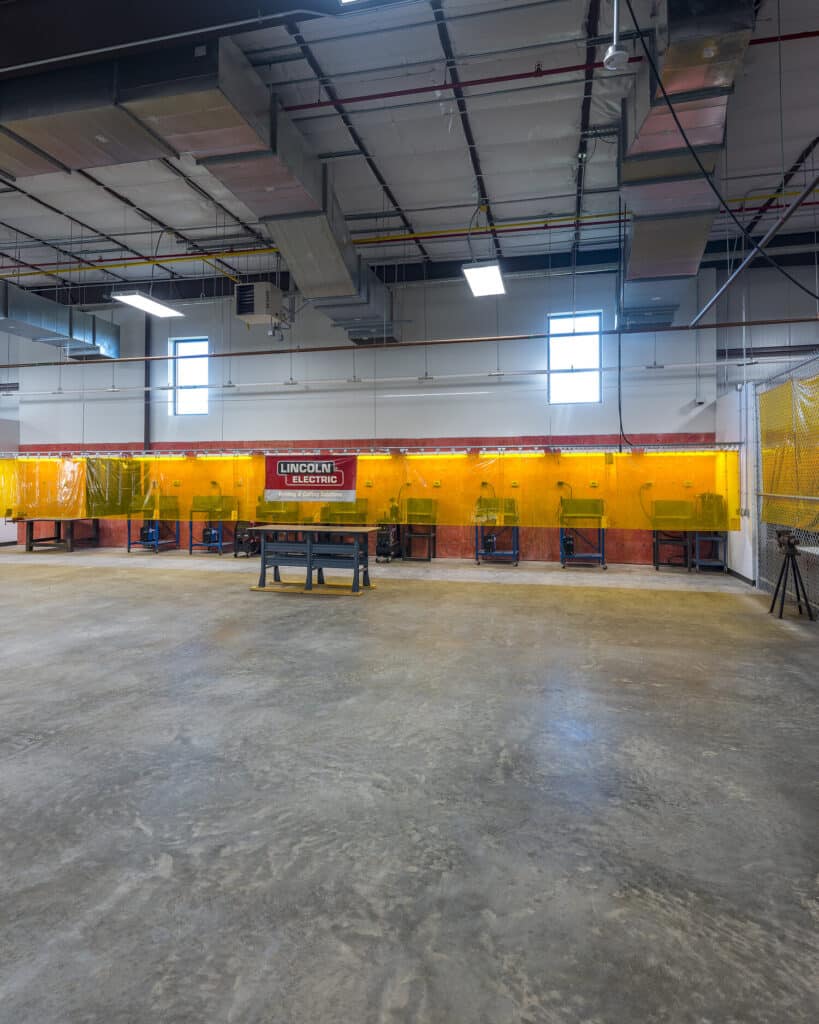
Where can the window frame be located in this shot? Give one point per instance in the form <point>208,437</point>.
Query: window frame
<point>173,376</point>
<point>580,369</point>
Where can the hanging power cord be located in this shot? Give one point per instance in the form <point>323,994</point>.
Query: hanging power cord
<point>620,287</point>
<point>723,203</point>
<point>474,225</point>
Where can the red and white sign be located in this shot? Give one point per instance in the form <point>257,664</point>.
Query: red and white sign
<point>310,477</point>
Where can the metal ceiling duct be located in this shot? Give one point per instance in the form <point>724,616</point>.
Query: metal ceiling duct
<point>206,101</point>
<point>211,103</point>
<point>81,335</point>
<point>672,206</point>
<point>72,118</point>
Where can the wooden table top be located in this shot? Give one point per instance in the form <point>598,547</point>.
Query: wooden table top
<point>56,519</point>
<point>314,528</point>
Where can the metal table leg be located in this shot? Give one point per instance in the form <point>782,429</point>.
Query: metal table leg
<point>263,566</point>
<point>309,583</point>
<point>356,548</point>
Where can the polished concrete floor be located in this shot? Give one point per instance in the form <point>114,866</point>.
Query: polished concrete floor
<point>438,803</point>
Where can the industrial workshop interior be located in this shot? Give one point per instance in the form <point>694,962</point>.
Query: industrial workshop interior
<point>409,512</point>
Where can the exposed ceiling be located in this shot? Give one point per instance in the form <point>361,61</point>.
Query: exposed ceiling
<point>426,111</point>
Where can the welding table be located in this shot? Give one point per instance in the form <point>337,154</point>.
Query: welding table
<point>582,532</point>
<point>212,512</point>
<point>62,537</point>
<point>153,538</point>
<point>316,547</point>
<point>494,516</point>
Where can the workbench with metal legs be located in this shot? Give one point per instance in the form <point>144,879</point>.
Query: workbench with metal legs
<point>150,536</point>
<point>316,548</point>
<point>64,535</point>
<point>486,544</point>
<point>212,537</point>
<point>671,548</point>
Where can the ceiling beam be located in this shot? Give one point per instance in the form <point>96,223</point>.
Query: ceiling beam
<point>33,266</point>
<point>153,220</point>
<point>787,178</point>
<point>466,125</point>
<point>358,142</point>
<point>53,35</point>
<point>592,29</point>
<point>72,220</point>
<point>57,248</point>
<point>197,188</point>
<point>600,260</point>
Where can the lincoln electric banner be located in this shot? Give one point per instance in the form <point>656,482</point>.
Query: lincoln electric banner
<point>310,479</point>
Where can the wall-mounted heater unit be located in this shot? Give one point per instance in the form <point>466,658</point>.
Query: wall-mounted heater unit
<point>260,303</point>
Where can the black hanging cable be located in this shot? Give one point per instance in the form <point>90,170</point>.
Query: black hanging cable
<point>620,285</point>
<point>703,171</point>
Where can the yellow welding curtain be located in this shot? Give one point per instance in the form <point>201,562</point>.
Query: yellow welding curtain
<point>669,490</point>
<point>8,488</point>
<point>687,490</point>
<point>789,431</point>
<point>50,488</point>
<point>174,487</point>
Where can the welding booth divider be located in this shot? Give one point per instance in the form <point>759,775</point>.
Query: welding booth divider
<point>443,489</point>
<point>789,436</point>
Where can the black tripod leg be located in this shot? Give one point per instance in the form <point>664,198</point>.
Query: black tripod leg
<point>778,585</point>
<point>797,579</point>
<point>800,584</point>
<point>784,587</point>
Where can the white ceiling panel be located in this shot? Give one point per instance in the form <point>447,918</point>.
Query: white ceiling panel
<point>526,130</point>
<point>512,25</point>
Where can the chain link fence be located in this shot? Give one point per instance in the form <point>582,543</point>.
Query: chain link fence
<point>788,482</point>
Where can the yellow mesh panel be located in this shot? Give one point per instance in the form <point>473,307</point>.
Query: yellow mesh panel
<point>789,432</point>
<point>691,490</point>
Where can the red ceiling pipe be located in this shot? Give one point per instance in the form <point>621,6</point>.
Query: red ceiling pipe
<point>417,90</point>
<point>519,77</point>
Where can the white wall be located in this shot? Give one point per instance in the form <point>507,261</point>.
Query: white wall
<point>10,352</point>
<point>765,294</point>
<point>9,430</point>
<point>736,424</point>
<point>463,400</point>
<point>9,424</point>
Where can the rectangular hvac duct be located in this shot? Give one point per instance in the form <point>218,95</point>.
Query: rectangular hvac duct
<point>318,251</point>
<point>214,105</point>
<point>672,203</point>
<point>82,335</point>
<point>73,117</point>
<point>17,160</point>
<point>204,100</point>
<point>207,101</point>
<point>669,246</point>
<point>27,315</point>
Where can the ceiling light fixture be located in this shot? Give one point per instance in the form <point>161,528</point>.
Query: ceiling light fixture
<point>616,58</point>
<point>484,278</point>
<point>146,304</point>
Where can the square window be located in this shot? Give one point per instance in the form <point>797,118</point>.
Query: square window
<point>189,377</point>
<point>574,353</point>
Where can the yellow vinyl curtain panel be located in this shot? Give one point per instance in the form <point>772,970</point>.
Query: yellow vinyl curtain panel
<point>50,488</point>
<point>789,433</point>
<point>684,490</point>
<point>8,488</point>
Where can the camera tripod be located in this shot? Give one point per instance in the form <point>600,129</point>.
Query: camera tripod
<point>790,565</point>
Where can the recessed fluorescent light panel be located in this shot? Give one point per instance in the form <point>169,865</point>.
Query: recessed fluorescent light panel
<point>484,278</point>
<point>146,304</point>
